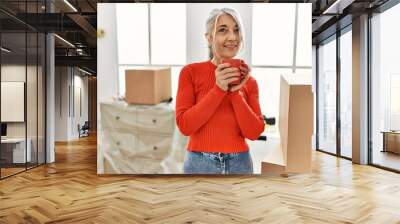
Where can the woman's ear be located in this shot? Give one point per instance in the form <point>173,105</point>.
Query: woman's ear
<point>209,38</point>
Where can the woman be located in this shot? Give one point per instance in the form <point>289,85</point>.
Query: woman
<point>217,116</point>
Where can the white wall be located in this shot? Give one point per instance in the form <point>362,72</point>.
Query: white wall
<point>107,66</point>
<point>17,73</point>
<point>67,79</point>
<point>61,104</point>
<point>80,118</point>
<point>84,81</point>
<point>107,55</point>
<point>14,73</point>
<point>197,14</point>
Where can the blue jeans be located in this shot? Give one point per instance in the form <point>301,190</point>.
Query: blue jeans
<point>218,163</point>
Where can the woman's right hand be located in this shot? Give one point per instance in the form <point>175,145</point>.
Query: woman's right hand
<point>224,74</point>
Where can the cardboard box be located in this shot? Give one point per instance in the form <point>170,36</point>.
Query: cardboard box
<point>149,85</point>
<point>392,142</point>
<point>296,123</point>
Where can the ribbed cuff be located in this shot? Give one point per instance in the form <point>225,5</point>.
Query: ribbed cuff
<point>235,95</point>
<point>219,91</point>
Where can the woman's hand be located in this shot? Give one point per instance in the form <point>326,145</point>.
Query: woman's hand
<point>224,74</point>
<point>240,85</point>
<point>244,70</point>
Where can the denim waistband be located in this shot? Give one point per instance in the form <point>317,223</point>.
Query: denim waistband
<point>219,155</point>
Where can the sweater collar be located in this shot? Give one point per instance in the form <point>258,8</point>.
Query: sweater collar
<point>211,64</point>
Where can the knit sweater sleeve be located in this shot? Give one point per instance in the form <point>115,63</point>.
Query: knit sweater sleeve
<point>191,115</point>
<point>248,113</point>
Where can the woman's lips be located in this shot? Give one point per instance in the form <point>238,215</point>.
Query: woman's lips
<point>231,46</point>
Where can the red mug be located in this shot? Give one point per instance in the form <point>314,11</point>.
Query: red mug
<point>236,63</point>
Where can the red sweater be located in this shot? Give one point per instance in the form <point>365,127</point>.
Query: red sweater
<point>216,120</point>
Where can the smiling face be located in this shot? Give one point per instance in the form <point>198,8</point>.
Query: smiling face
<point>226,42</point>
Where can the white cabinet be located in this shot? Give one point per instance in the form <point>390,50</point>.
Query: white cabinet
<point>157,147</point>
<point>159,118</point>
<point>16,147</point>
<point>139,139</point>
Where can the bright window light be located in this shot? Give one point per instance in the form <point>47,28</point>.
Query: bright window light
<point>268,80</point>
<point>168,34</point>
<point>273,33</point>
<point>303,51</point>
<point>132,32</point>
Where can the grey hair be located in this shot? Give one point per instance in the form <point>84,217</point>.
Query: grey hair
<point>212,21</point>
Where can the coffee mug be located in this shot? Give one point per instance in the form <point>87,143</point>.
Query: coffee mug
<point>236,63</point>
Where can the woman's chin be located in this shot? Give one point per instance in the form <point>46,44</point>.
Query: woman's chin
<point>228,56</point>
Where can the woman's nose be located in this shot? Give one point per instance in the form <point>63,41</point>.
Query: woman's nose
<point>232,35</point>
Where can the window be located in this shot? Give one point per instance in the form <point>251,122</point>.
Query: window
<point>272,40</point>
<point>327,97</point>
<point>133,33</point>
<point>394,102</point>
<point>168,34</point>
<point>268,80</point>
<point>346,94</point>
<point>167,45</point>
<point>385,88</point>
<point>273,52</point>
<point>303,52</point>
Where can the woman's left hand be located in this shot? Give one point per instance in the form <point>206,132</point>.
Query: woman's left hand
<point>245,72</point>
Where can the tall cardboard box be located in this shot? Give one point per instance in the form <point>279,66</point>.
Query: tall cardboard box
<point>148,85</point>
<point>296,124</point>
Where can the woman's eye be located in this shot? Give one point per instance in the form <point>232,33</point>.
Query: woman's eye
<point>222,30</point>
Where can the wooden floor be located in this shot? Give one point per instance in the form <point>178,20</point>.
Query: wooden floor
<point>69,191</point>
<point>387,159</point>
<point>5,172</point>
<point>10,171</point>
